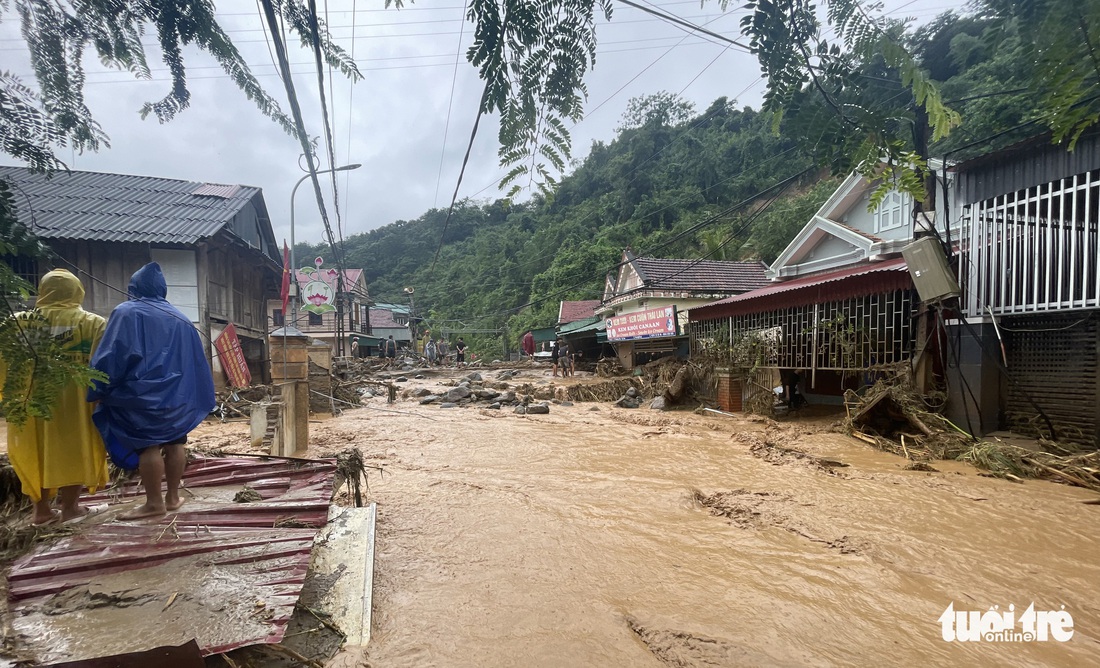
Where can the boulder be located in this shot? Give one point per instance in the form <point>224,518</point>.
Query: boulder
<point>460,392</point>
<point>627,401</point>
<point>447,404</point>
<point>419,376</point>
<point>658,403</point>
<point>520,410</point>
<point>495,406</point>
<point>508,397</point>
<point>631,392</point>
<point>567,403</point>
<point>538,409</point>
<point>487,394</point>
<point>421,392</point>
<point>594,408</point>
<point>429,399</point>
<point>474,377</point>
<point>401,379</point>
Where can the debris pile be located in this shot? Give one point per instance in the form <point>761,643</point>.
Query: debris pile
<point>893,416</point>
<point>1011,462</point>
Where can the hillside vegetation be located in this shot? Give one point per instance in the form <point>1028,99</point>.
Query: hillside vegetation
<point>673,182</point>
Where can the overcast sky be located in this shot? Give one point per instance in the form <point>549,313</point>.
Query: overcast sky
<point>395,121</point>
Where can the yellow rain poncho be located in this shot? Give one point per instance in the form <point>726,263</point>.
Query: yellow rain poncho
<point>66,450</point>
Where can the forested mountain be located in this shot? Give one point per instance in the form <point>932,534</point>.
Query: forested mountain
<point>673,182</point>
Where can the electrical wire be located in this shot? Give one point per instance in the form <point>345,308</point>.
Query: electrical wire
<point>450,103</point>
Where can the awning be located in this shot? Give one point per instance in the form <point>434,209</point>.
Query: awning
<point>585,326</point>
<point>882,277</point>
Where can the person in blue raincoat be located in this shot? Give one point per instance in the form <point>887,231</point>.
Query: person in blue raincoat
<point>159,389</point>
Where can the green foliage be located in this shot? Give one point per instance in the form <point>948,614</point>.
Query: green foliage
<point>59,35</point>
<point>1061,43</point>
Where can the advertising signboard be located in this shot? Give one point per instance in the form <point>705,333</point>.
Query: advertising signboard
<point>231,357</point>
<point>647,324</point>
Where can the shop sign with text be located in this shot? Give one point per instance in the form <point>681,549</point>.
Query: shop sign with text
<point>647,324</point>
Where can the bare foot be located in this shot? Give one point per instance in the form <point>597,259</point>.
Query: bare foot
<point>72,514</point>
<point>40,520</point>
<point>143,511</point>
<point>172,506</point>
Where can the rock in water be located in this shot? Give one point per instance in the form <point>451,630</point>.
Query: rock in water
<point>401,379</point>
<point>460,392</point>
<point>658,403</point>
<point>474,377</point>
<point>631,392</point>
<point>447,404</point>
<point>520,410</point>
<point>429,399</point>
<point>421,392</point>
<point>538,409</point>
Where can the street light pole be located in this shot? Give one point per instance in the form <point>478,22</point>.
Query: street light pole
<point>293,263</point>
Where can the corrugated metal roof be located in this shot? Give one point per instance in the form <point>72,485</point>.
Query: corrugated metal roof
<point>1029,163</point>
<point>850,282</point>
<point>94,206</point>
<point>228,574</point>
<point>700,275</point>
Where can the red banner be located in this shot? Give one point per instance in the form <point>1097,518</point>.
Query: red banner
<point>642,324</point>
<point>284,290</point>
<point>231,357</point>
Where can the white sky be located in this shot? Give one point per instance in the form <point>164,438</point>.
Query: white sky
<point>395,120</point>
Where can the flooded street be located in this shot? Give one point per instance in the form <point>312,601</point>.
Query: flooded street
<point>608,536</point>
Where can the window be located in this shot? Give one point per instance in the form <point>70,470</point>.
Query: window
<point>315,319</point>
<point>277,317</point>
<point>893,212</point>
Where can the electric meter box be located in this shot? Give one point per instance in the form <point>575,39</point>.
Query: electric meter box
<point>928,267</point>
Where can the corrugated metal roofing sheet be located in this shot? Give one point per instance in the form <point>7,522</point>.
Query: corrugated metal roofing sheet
<point>228,574</point>
<point>95,206</point>
<point>701,275</point>
<point>886,276</point>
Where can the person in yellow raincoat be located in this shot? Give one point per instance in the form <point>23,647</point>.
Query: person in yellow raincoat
<point>66,452</point>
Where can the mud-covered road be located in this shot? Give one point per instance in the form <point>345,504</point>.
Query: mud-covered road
<point>600,536</point>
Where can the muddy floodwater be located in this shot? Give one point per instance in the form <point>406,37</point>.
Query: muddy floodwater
<point>600,536</point>
<point>617,537</point>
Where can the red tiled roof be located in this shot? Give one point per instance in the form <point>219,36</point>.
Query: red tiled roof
<point>843,283</point>
<point>579,310</point>
<point>701,275</point>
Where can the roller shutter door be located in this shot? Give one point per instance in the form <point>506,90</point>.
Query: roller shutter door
<point>1054,358</point>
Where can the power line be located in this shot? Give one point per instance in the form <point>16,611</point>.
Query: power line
<point>447,123</point>
<point>685,24</point>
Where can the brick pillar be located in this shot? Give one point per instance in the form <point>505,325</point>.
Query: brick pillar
<point>290,375</point>
<point>729,392</point>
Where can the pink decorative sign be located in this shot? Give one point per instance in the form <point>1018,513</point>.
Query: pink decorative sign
<point>648,324</point>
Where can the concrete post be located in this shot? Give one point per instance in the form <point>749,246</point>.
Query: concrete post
<point>290,374</point>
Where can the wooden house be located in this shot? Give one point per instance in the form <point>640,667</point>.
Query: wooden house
<point>214,243</point>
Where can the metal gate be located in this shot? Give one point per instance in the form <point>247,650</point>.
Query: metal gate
<point>1054,358</point>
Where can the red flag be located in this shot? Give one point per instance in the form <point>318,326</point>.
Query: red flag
<point>284,293</point>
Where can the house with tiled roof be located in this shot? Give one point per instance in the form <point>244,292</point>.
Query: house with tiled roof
<point>646,300</point>
<point>837,301</point>
<point>572,311</point>
<point>214,243</point>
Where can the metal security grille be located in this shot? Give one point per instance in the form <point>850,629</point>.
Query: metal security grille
<point>1055,360</point>
<point>848,334</point>
<point>1035,249</point>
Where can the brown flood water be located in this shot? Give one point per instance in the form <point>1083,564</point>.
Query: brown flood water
<point>636,538</point>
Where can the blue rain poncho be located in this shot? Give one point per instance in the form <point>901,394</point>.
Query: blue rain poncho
<point>160,385</point>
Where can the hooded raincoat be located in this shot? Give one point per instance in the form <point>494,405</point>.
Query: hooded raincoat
<point>65,450</point>
<point>160,385</point>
